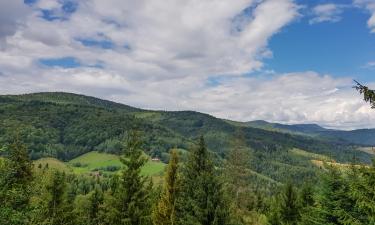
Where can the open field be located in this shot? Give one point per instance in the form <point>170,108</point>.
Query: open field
<point>52,164</point>
<point>96,161</point>
<point>369,150</point>
<point>310,155</point>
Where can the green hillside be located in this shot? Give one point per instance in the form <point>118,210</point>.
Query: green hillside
<point>96,161</point>
<point>66,126</point>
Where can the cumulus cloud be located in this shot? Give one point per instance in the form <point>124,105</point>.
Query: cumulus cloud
<point>370,65</point>
<point>12,15</point>
<point>326,13</point>
<point>173,55</point>
<point>369,5</point>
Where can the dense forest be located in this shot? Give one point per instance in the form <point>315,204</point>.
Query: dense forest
<point>217,171</point>
<point>194,191</point>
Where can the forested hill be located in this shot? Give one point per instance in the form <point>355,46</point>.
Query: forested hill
<point>359,137</point>
<point>65,125</point>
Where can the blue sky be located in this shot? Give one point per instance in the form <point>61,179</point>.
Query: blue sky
<point>288,61</point>
<point>341,48</point>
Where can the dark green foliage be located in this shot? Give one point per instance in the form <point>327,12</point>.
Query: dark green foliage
<point>131,202</point>
<point>96,199</point>
<point>286,208</point>
<point>201,200</point>
<point>15,185</point>
<point>58,211</point>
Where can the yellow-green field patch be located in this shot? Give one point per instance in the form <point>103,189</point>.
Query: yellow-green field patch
<point>104,162</point>
<point>52,164</point>
<point>310,155</point>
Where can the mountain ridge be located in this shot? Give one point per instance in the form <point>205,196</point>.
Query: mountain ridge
<point>65,126</point>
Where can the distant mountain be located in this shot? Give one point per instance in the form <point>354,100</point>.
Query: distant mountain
<point>65,125</point>
<point>359,137</point>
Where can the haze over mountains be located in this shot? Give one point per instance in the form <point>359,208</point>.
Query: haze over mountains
<point>358,136</point>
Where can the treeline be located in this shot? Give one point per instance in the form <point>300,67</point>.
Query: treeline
<point>195,191</point>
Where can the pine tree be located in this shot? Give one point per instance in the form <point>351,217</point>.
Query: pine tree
<point>289,207</point>
<point>237,183</point>
<point>164,213</point>
<point>285,208</point>
<point>96,199</point>
<point>368,94</point>
<point>335,206</point>
<point>201,200</point>
<point>58,212</point>
<point>362,191</point>
<point>132,196</point>
<point>237,171</point>
<point>15,185</point>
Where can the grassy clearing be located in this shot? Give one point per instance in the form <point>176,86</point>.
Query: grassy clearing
<point>100,161</point>
<point>369,150</point>
<point>309,155</point>
<point>341,166</point>
<point>53,164</point>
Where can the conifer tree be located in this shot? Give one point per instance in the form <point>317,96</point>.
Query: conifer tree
<point>133,196</point>
<point>96,199</point>
<point>164,213</point>
<point>289,207</point>
<point>237,170</point>
<point>362,191</point>
<point>201,200</point>
<point>58,211</point>
<point>335,206</point>
<point>285,208</point>
<point>237,183</point>
<point>15,185</point>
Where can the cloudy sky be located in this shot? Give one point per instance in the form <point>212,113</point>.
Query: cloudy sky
<point>290,61</point>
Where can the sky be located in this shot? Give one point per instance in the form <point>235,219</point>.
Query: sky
<point>288,61</point>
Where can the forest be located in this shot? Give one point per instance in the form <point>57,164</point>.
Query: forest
<point>213,172</point>
<point>194,191</point>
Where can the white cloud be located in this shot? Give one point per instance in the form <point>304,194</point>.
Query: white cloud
<point>370,65</point>
<point>172,49</point>
<point>369,5</point>
<point>12,14</point>
<point>326,13</point>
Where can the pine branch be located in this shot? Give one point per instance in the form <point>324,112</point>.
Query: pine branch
<point>368,94</point>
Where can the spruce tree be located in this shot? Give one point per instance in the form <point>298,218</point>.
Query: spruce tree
<point>285,209</point>
<point>58,212</point>
<point>335,206</point>
<point>289,207</point>
<point>96,199</point>
<point>201,200</point>
<point>164,213</point>
<point>15,185</point>
<point>237,171</point>
<point>133,195</point>
<point>362,191</point>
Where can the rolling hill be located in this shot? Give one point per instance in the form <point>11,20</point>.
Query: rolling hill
<point>365,137</point>
<point>66,126</point>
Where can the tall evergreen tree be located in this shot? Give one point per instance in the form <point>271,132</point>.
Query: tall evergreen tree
<point>15,185</point>
<point>58,212</point>
<point>237,170</point>
<point>286,209</point>
<point>133,195</point>
<point>96,199</point>
<point>289,207</point>
<point>334,204</point>
<point>201,201</point>
<point>164,213</point>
